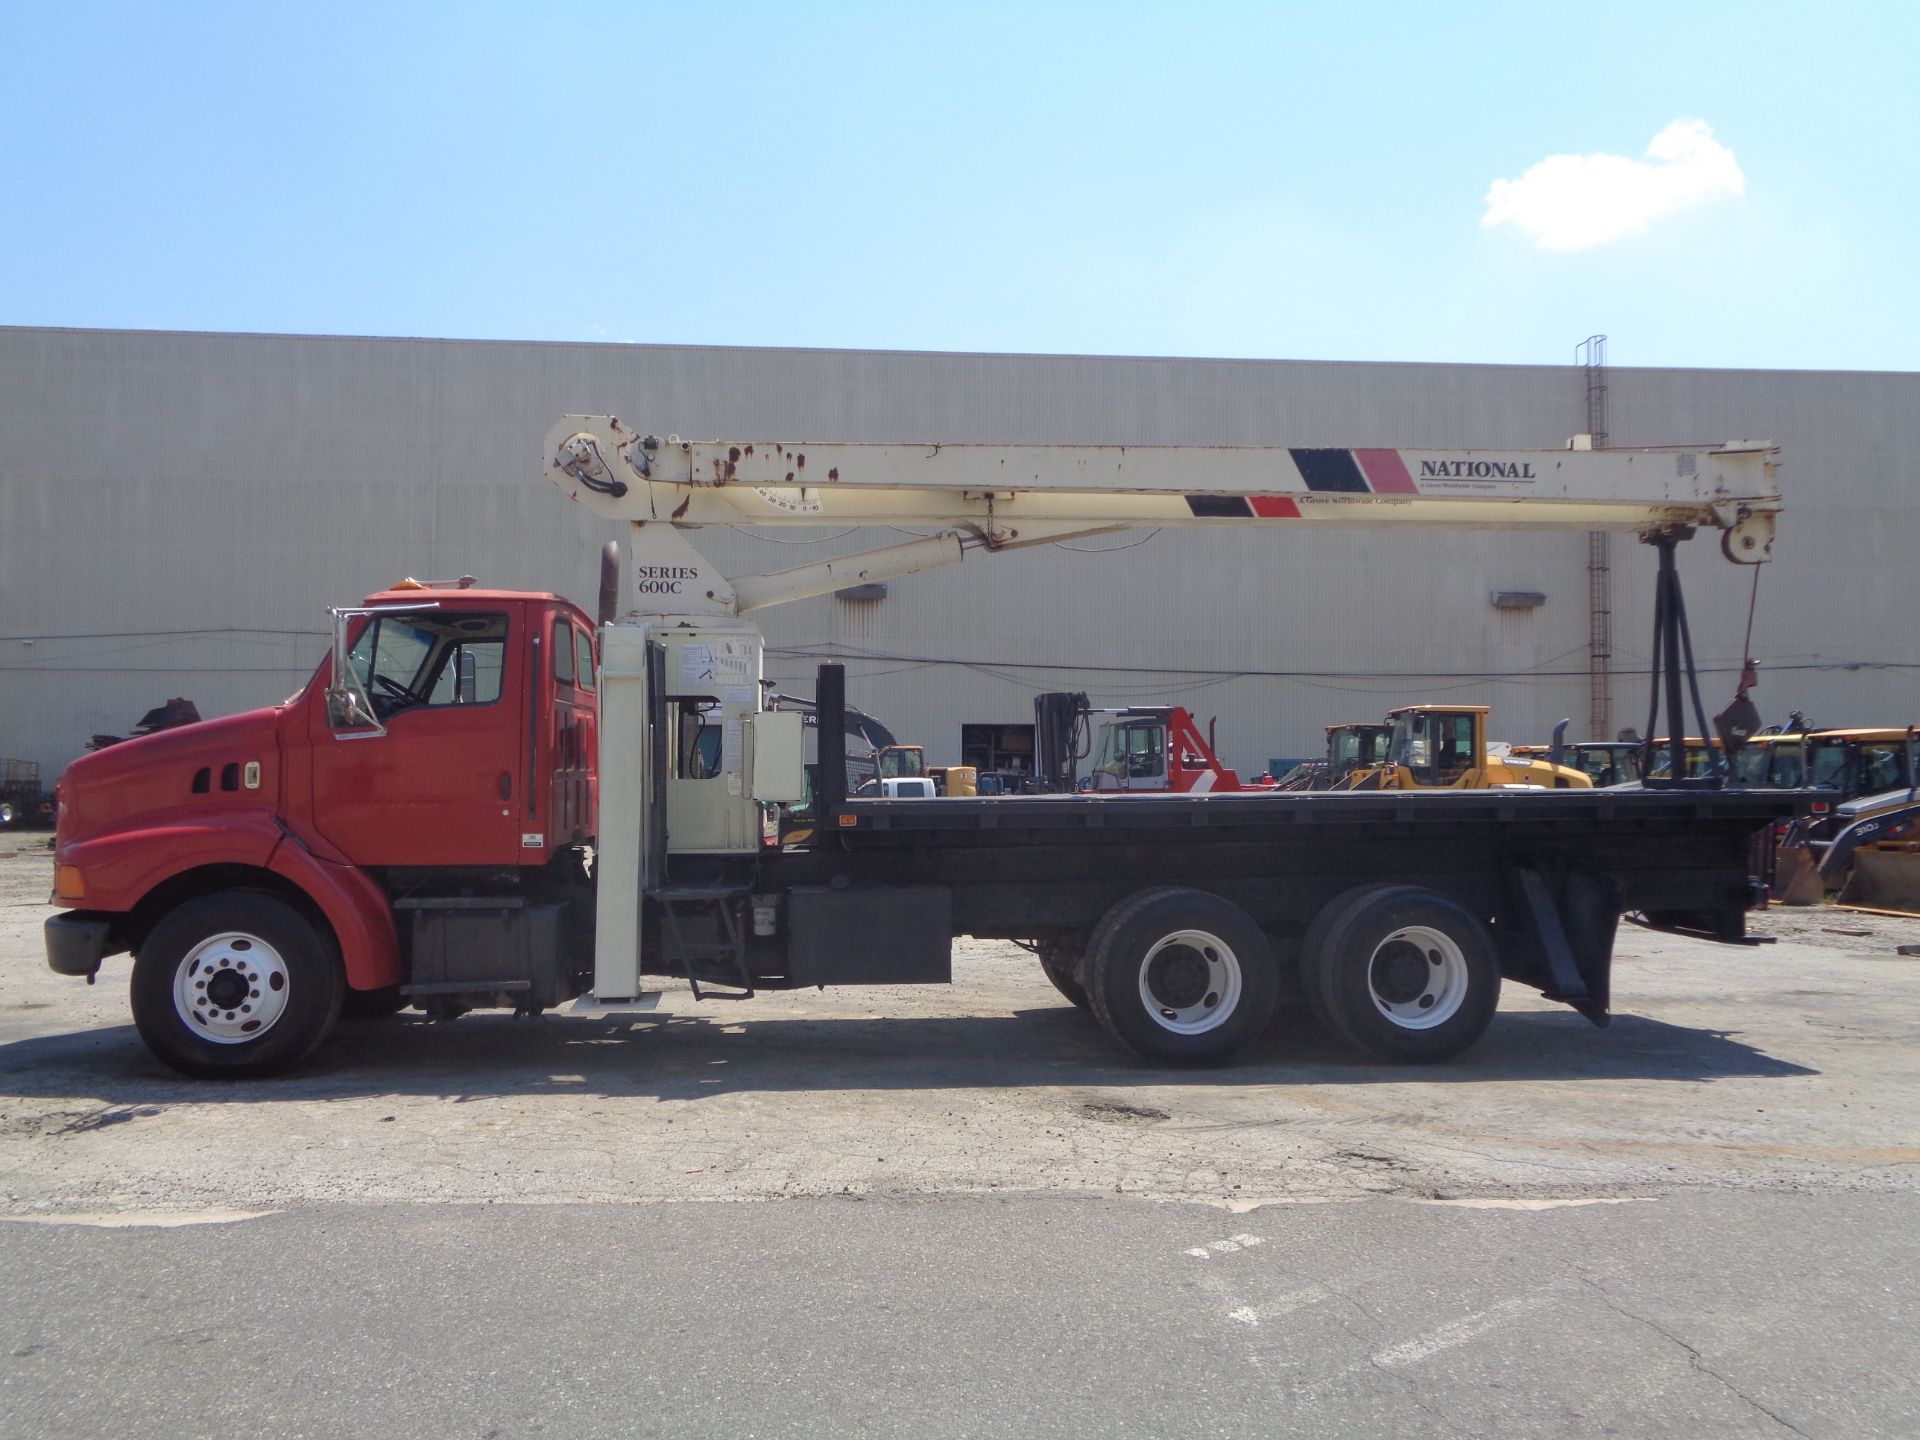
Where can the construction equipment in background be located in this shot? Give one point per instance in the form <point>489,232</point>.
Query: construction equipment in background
<point>1875,862</point>
<point>1863,779</point>
<point>872,754</point>
<point>958,781</point>
<point>1771,762</point>
<point>895,762</point>
<point>170,716</point>
<point>1136,748</point>
<point>1352,749</point>
<point>1704,758</point>
<point>22,800</point>
<point>1444,747</point>
<point>1062,738</point>
<point>872,749</point>
<point>1605,762</point>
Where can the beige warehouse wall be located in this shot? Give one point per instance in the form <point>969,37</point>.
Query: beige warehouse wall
<point>231,487</point>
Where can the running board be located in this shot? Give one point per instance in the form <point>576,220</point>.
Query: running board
<point>590,1005</point>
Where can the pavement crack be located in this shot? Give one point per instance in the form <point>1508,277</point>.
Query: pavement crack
<point>1412,1388</point>
<point>1694,1357</point>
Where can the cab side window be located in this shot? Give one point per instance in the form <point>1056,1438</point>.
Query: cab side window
<point>562,652</point>
<point>404,661</point>
<point>583,658</point>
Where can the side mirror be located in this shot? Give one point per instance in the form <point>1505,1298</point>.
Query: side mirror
<point>466,682</point>
<point>348,706</point>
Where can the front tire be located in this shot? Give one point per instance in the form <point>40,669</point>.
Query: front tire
<point>1402,972</point>
<point>1181,976</point>
<point>235,985</point>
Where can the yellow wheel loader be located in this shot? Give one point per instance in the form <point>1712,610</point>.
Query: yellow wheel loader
<point>1444,747</point>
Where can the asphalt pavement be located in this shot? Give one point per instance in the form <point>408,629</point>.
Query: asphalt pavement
<point>960,1211</point>
<point>1688,1315</point>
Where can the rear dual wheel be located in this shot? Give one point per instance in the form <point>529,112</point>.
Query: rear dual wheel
<point>1401,972</point>
<point>1181,976</point>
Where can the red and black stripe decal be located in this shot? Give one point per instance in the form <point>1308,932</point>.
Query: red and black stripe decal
<point>1331,472</point>
<point>1243,507</point>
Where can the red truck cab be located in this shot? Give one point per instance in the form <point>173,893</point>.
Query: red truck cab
<point>456,761</point>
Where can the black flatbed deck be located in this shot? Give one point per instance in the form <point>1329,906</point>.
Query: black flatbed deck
<point>1573,809</point>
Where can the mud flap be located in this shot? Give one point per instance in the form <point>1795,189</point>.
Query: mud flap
<point>1556,934</point>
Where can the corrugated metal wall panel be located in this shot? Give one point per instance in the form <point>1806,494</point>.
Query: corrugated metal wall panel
<point>211,482</point>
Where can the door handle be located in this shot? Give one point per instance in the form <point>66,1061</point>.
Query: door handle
<point>506,784</point>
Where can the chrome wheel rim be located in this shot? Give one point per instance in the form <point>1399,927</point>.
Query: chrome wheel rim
<point>231,988</point>
<point>1190,982</point>
<point>1417,977</point>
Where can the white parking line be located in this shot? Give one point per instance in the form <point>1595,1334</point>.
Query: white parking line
<point>1444,1337</point>
<point>1225,1247</point>
<point>1456,1332</point>
<point>1285,1305</point>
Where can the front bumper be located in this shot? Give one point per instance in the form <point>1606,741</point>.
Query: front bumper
<point>76,944</point>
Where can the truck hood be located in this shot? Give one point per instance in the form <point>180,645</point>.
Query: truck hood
<point>201,767</point>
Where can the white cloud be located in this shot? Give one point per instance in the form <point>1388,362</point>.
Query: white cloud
<point>1574,202</point>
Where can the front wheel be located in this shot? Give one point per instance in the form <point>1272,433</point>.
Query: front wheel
<point>235,985</point>
<point>1181,976</point>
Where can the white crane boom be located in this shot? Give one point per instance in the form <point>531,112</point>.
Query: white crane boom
<point>1006,496</point>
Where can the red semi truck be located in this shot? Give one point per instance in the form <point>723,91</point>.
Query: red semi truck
<point>488,798</point>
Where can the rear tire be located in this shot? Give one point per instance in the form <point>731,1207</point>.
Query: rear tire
<point>1315,973</point>
<point>235,985</point>
<point>1181,976</point>
<point>1402,972</point>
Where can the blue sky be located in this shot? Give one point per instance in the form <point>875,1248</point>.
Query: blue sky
<point>1276,180</point>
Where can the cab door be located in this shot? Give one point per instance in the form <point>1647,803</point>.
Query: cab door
<point>437,775</point>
